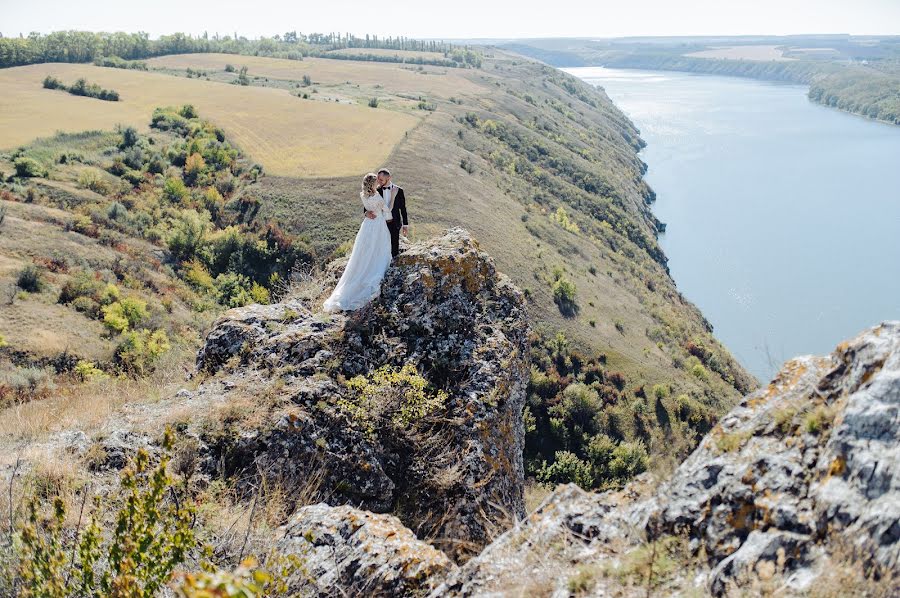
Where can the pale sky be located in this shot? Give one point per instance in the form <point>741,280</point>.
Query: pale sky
<point>457,18</point>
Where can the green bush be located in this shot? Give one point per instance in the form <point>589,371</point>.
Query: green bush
<point>175,191</point>
<point>51,82</point>
<point>188,233</point>
<point>29,168</point>
<point>140,349</point>
<point>81,284</point>
<point>152,535</point>
<point>566,468</point>
<point>130,138</point>
<point>564,295</point>
<point>30,279</point>
<point>87,371</point>
<point>629,459</point>
<point>124,314</point>
<point>394,398</point>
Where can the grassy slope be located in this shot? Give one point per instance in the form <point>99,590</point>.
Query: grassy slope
<point>628,307</point>
<point>501,209</point>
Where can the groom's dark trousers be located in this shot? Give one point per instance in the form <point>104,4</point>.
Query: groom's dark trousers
<point>399,219</point>
<point>394,227</point>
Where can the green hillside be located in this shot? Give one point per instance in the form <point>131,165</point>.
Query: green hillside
<point>540,167</point>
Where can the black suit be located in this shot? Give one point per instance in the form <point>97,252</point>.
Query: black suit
<point>399,219</point>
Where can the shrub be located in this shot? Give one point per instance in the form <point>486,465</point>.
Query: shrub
<point>188,111</point>
<point>188,234</point>
<point>698,371</point>
<point>174,190</point>
<point>91,179</point>
<point>629,459</point>
<point>566,468</point>
<point>373,103</point>
<point>30,279</point>
<point>196,275</point>
<point>392,398</point>
<point>153,534</point>
<point>140,349</point>
<point>124,314</point>
<point>692,412</point>
<point>82,284</point>
<point>232,289</point>
<point>579,405</point>
<point>564,295</point>
<point>242,79</point>
<point>25,384</point>
<point>193,168</point>
<point>116,211</point>
<point>87,371</point>
<point>29,168</point>
<point>561,217</point>
<point>51,82</point>
<point>130,138</point>
<point>229,68</point>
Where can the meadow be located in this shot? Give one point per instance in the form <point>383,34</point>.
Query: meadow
<point>286,134</point>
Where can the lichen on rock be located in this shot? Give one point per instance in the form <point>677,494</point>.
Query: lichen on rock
<point>455,478</point>
<point>800,477</point>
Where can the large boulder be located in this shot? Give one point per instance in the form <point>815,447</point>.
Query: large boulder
<point>456,477</point>
<point>345,551</point>
<point>799,481</point>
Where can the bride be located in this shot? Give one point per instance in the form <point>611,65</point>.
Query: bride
<point>370,257</point>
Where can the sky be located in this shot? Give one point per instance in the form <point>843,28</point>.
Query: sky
<point>457,19</point>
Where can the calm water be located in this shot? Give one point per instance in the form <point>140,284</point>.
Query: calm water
<point>783,216</point>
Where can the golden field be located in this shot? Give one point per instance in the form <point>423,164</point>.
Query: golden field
<point>287,135</point>
<point>396,79</point>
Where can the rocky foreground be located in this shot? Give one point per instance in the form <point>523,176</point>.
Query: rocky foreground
<point>454,478</point>
<point>801,478</point>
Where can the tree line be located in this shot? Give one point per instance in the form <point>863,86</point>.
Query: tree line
<point>86,46</point>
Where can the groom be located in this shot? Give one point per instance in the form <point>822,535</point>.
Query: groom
<point>396,201</point>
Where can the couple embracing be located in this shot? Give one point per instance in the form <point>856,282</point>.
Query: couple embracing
<point>377,241</point>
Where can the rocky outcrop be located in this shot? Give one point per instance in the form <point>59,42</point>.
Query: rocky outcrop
<point>801,478</point>
<point>346,551</point>
<point>812,459</point>
<point>455,477</point>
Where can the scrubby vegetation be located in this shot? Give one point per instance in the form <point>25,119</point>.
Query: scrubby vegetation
<point>135,542</point>
<point>585,424</point>
<point>82,88</point>
<point>176,206</point>
<point>394,398</point>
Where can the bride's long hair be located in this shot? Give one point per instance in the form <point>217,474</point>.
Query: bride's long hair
<point>369,184</point>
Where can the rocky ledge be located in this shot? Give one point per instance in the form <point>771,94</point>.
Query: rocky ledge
<point>798,481</point>
<point>453,476</point>
<point>801,480</point>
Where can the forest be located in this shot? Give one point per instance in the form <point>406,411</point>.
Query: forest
<point>86,46</point>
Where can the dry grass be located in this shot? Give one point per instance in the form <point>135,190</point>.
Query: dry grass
<point>388,52</point>
<point>396,79</point>
<point>288,136</point>
<point>89,407</point>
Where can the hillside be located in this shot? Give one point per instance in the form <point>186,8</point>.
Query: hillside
<point>380,453</point>
<point>541,168</point>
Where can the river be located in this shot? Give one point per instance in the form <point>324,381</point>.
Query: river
<point>783,216</point>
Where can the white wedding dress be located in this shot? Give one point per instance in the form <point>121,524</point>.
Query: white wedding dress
<point>369,259</point>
